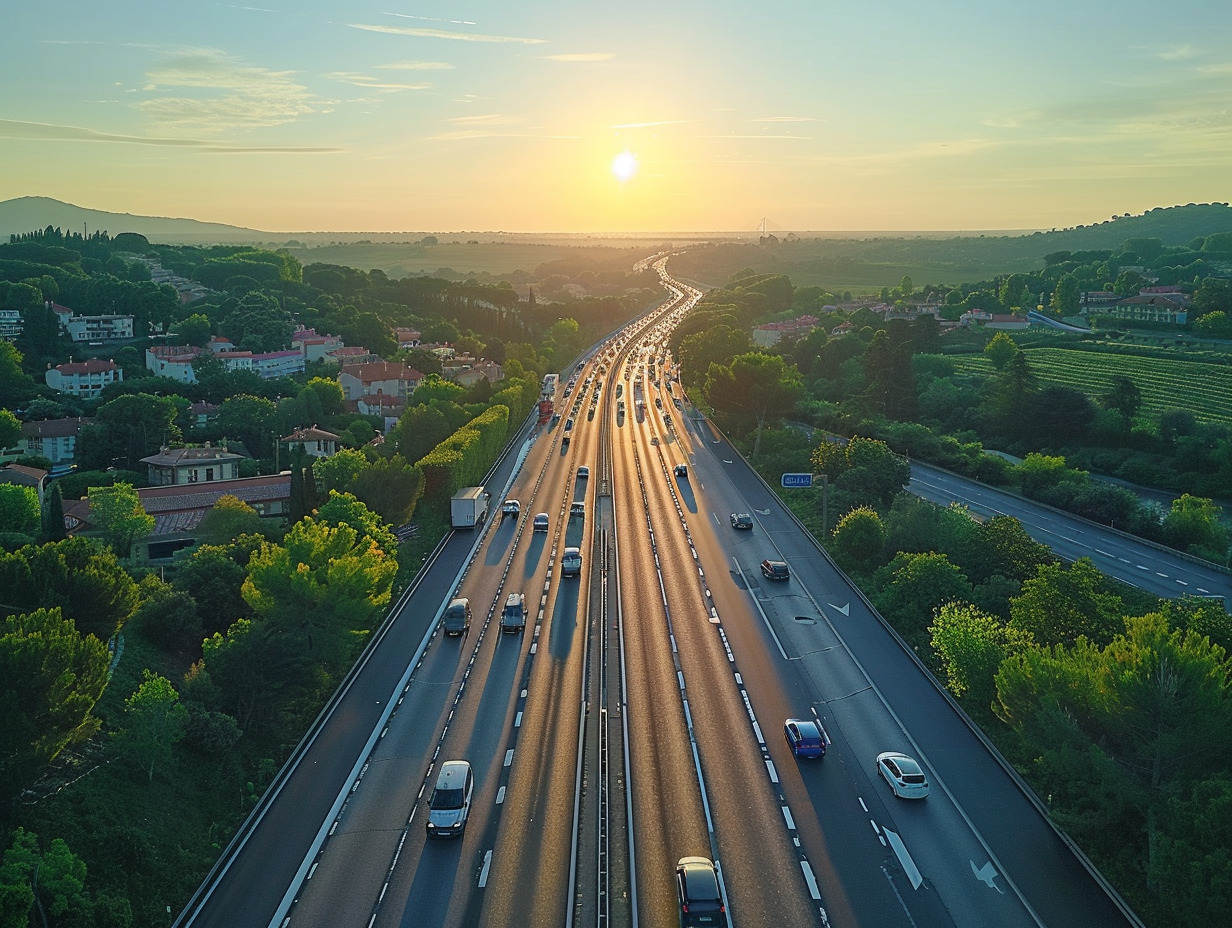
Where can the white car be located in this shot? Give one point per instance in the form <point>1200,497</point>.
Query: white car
<point>905,776</point>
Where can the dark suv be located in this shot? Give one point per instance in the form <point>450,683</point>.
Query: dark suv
<point>775,570</point>
<point>697,884</point>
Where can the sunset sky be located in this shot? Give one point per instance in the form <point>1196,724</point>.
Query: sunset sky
<point>624,116</point>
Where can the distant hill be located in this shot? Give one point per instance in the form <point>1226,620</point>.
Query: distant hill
<point>1175,225</point>
<point>28,214</point>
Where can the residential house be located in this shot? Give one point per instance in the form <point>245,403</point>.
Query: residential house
<point>178,510</point>
<point>1008,321</point>
<point>23,476</point>
<point>176,466</point>
<point>1146,307</point>
<point>93,330</point>
<point>407,338</point>
<point>201,412</point>
<point>315,347</point>
<point>352,354</point>
<point>385,378</point>
<point>1095,300</point>
<point>771,332</point>
<point>54,439</point>
<point>11,324</point>
<point>389,408</point>
<point>174,361</point>
<point>313,441</point>
<point>83,378</point>
<point>481,370</point>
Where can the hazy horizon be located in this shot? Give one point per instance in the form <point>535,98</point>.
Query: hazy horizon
<point>954,116</point>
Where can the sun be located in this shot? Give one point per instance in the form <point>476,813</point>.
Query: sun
<point>624,165</point>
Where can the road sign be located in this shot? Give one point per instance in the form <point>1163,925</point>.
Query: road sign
<point>797,481</point>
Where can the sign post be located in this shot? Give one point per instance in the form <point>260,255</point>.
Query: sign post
<point>807,482</point>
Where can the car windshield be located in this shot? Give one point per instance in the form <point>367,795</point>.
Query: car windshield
<point>447,799</point>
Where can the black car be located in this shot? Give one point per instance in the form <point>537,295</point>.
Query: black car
<point>775,570</point>
<point>697,883</point>
<point>741,520</point>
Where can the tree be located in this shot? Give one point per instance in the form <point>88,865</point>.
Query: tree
<point>251,419</point>
<point>118,512</point>
<point>19,509</point>
<point>716,345</point>
<point>890,389</point>
<point>213,576</point>
<point>1123,396</point>
<point>865,468</point>
<point>419,430</point>
<point>1118,731</point>
<point>344,509</point>
<point>10,430</point>
<point>390,487</point>
<point>906,287</point>
<point>195,330</point>
<point>328,393</point>
<point>999,350</point>
<point>339,470</point>
<point>755,391</point>
<point>1040,472</point>
<point>81,577</point>
<point>1062,604</point>
<point>971,644</point>
<point>52,516</point>
<point>1195,524</point>
<point>154,721</point>
<point>126,430</point>
<point>229,518</point>
<point>50,678</point>
<point>436,387</point>
<point>913,586</point>
<point>15,384</point>
<point>323,587</point>
<point>858,540</point>
<point>1065,296</point>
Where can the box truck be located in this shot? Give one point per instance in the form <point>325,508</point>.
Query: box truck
<point>469,507</point>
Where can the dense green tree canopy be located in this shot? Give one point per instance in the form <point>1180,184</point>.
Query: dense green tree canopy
<point>50,678</point>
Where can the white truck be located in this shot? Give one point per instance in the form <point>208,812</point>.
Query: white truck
<point>469,507</point>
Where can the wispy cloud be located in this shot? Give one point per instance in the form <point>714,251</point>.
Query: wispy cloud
<point>763,138</point>
<point>415,66</point>
<point>372,83</point>
<point>223,95</point>
<point>650,125</point>
<point>1177,51</point>
<point>421,33</point>
<point>580,56</point>
<point>47,132</point>
<point>433,19</point>
<point>486,119</point>
<point>39,131</point>
<point>463,134</point>
<point>786,119</point>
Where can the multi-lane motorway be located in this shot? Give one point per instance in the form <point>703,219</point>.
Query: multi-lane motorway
<point>638,717</point>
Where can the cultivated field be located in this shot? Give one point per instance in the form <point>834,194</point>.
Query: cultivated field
<point>1205,388</point>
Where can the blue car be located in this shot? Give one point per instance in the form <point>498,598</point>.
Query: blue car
<point>804,737</point>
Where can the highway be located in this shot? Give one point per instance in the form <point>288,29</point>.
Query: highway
<point>638,718</point>
<point>1156,569</point>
